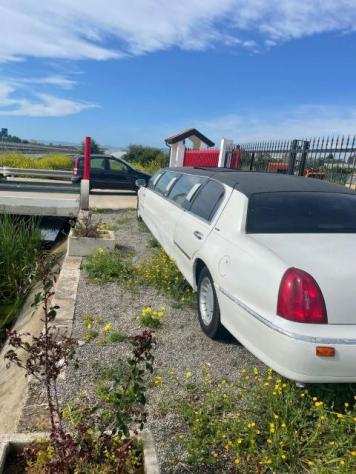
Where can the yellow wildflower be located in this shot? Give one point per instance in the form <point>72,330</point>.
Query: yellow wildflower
<point>107,328</point>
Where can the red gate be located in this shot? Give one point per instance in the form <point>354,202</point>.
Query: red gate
<point>201,158</point>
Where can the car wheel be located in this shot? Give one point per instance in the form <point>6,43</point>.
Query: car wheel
<point>208,306</point>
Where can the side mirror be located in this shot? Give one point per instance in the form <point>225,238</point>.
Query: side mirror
<point>141,183</point>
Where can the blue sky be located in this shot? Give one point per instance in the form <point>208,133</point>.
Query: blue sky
<point>137,71</point>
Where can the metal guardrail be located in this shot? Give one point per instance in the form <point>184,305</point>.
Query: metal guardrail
<point>38,148</point>
<point>37,173</point>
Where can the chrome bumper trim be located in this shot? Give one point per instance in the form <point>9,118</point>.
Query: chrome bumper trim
<point>299,337</point>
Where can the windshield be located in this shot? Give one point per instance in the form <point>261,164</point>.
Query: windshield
<point>301,212</point>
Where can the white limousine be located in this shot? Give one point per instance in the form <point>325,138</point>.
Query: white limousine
<point>273,260</point>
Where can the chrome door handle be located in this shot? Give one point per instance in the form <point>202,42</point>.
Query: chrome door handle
<point>198,235</point>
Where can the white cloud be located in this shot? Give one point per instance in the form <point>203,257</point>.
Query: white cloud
<point>13,103</point>
<point>300,122</point>
<point>57,81</point>
<point>76,30</point>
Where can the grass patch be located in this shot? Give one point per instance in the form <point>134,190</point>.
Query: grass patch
<point>20,242</point>
<point>105,266</point>
<point>161,272</point>
<point>54,161</point>
<point>263,423</point>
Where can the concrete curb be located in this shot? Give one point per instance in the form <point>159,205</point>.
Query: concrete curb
<point>66,293</point>
<point>151,464</point>
<point>84,246</point>
<point>19,440</point>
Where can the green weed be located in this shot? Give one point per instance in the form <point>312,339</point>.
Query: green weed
<point>104,266</point>
<point>263,423</point>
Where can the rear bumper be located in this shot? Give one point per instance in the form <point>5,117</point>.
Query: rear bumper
<point>293,353</point>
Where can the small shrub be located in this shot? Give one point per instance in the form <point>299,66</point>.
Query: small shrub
<point>263,423</point>
<point>85,227</point>
<point>153,166</point>
<point>105,266</point>
<point>152,318</point>
<point>161,272</point>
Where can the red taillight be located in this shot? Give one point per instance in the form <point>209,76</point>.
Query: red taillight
<point>300,298</point>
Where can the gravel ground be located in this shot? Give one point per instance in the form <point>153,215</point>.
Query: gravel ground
<point>181,344</point>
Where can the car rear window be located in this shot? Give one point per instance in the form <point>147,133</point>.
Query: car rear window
<point>207,200</point>
<point>181,193</point>
<point>301,212</point>
<point>165,182</point>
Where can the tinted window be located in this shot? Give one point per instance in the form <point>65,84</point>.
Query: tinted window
<point>207,200</point>
<point>116,165</point>
<point>182,187</point>
<point>165,182</point>
<point>97,163</point>
<point>290,212</point>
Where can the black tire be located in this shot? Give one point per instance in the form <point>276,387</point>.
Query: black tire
<point>214,330</point>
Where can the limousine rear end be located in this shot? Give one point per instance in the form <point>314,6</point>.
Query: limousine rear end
<point>272,258</point>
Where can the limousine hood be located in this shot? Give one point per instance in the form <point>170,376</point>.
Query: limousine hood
<point>330,259</point>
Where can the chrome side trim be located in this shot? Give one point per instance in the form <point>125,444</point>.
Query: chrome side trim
<point>299,337</point>
<point>180,248</point>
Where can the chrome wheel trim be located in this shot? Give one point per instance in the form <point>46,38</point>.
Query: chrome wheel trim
<point>206,301</point>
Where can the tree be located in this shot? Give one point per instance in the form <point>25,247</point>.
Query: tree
<point>95,148</point>
<point>145,155</point>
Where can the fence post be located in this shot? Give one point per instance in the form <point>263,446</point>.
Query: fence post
<point>292,156</point>
<point>303,158</point>
<point>225,145</point>
<point>176,157</point>
<point>85,182</point>
<point>252,160</point>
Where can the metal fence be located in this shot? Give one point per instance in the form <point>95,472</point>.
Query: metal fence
<point>329,158</point>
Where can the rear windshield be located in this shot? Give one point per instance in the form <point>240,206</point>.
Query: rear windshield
<point>301,212</point>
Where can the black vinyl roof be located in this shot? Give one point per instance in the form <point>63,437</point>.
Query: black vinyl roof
<point>252,182</point>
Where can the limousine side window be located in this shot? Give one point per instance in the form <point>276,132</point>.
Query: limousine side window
<point>165,182</point>
<point>182,188</point>
<point>207,200</point>
<point>153,180</point>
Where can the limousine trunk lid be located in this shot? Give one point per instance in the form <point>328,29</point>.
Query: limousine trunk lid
<point>330,259</point>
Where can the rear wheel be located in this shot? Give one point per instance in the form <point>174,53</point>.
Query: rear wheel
<point>208,306</point>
